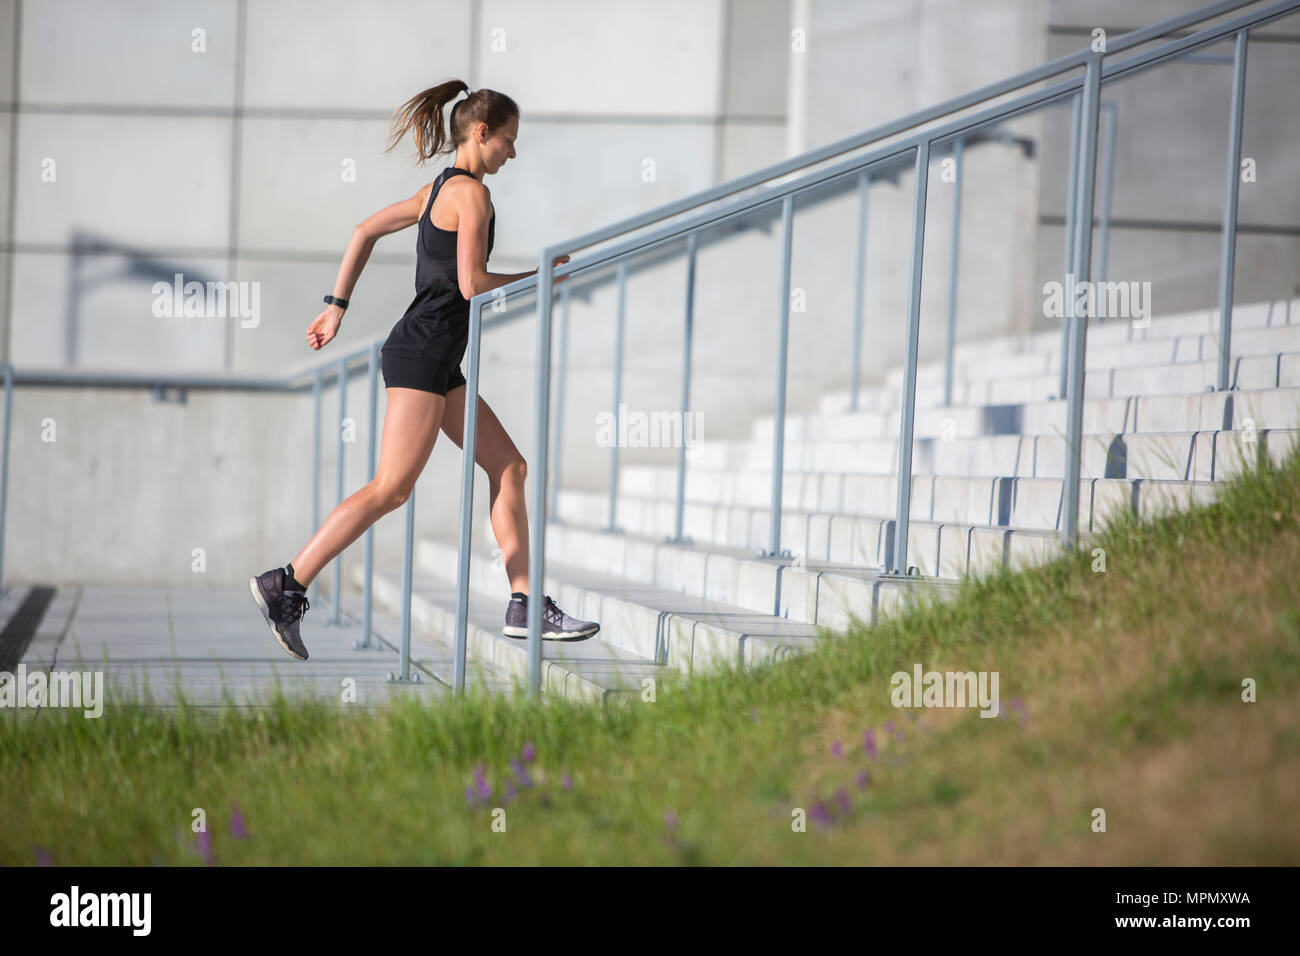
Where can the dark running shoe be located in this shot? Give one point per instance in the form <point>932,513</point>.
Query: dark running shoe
<point>556,625</point>
<point>282,610</point>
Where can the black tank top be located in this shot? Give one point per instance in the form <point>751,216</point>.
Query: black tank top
<point>437,287</point>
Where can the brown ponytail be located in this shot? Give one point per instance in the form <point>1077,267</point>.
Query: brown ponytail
<point>422,116</point>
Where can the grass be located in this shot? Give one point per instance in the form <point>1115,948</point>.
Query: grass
<point>1119,690</point>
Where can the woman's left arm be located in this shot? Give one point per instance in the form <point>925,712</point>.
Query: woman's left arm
<point>394,218</point>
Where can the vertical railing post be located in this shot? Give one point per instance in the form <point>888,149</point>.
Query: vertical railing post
<point>688,336</point>
<point>1107,190</point>
<point>318,389</point>
<point>859,288</point>
<point>1078,324</point>
<point>1228,249</point>
<point>1070,227</point>
<point>4,465</point>
<point>469,443</point>
<point>537,519</point>
<point>898,565</point>
<point>958,155</point>
<point>561,387</point>
<point>372,389</point>
<point>782,345</point>
<point>612,525</point>
<point>336,616</point>
<point>408,560</point>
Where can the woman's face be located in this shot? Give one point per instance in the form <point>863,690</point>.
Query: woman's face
<point>500,145</point>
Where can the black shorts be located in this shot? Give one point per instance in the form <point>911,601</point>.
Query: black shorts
<point>425,353</point>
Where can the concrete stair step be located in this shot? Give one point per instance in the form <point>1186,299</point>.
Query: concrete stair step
<point>1200,322</point>
<point>1253,315</point>
<point>1201,456</point>
<point>428,654</point>
<point>1186,411</point>
<point>1002,502</point>
<point>943,550</point>
<point>687,632</point>
<point>1034,359</point>
<point>1271,370</point>
<point>580,670</point>
<point>795,586</point>
<point>937,546</point>
<point>1182,349</point>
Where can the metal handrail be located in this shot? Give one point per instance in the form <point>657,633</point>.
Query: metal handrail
<point>1078,59</point>
<point>313,377</point>
<point>918,144</point>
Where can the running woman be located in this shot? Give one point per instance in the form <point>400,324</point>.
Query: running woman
<point>422,355</point>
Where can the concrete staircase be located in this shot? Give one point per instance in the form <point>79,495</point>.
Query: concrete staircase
<point>987,490</point>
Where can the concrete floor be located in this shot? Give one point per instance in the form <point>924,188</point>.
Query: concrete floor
<point>216,647</point>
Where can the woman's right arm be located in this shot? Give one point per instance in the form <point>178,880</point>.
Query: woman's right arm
<point>474,210</point>
<point>486,281</point>
<point>393,218</point>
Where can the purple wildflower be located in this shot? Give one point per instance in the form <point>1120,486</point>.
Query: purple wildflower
<point>237,828</point>
<point>836,749</point>
<point>869,742</point>
<point>481,785</point>
<point>511,793</point>
<point>864,780</point>
<point>470,794</point>
<point>820,814</point>
<point>670,819</point>
<point>203,845</point>
<point>889,726</point>
<point>44,857</point>
<point>521,773</point>
<point>842,798</point>
<point>530,752</point>
<point>567,782</point>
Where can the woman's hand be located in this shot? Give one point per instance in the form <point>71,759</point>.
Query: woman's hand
<point>326,326</point>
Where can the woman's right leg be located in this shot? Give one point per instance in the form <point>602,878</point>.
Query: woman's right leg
<point>411,425</point>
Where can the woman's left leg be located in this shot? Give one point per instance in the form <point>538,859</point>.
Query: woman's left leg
<point>497,455</point>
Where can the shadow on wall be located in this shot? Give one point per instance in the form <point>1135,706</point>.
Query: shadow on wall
<point>87,248</point>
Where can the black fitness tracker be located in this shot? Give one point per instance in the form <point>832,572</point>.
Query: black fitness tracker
<point>341,303</point>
